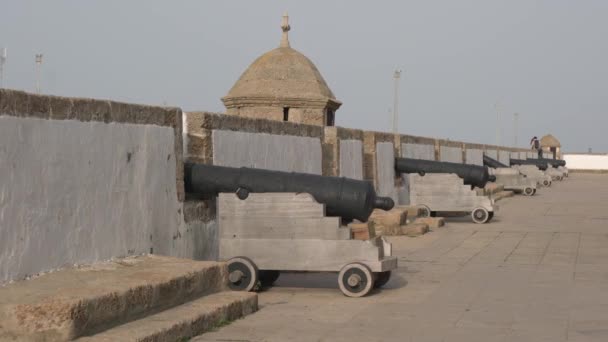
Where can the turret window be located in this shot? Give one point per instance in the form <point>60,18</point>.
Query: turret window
<point>285,113</point>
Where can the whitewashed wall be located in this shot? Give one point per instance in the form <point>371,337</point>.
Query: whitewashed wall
<point>586,161</point>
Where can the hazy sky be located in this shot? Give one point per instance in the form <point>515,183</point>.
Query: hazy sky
<point>547,60</point>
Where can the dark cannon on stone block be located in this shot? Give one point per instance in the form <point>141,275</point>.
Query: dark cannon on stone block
<point>493,163</point>
<point>448,187</point>
<point>474,175</point>
<point>343,197</point>
<point>552,162</point>
<point>536,162</point>
<point>271,222</point>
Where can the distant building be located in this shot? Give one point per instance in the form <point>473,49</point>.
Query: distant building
<point>550,144</point>
<point>283,85</point>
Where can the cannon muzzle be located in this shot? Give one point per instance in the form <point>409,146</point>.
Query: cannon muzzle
<point>471,174</point>
<point>343,197</point>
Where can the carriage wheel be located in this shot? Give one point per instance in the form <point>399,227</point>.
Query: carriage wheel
<point>480,215</point>
<point>355,280</point>
<point>528,191</point>
<point>242,274</point>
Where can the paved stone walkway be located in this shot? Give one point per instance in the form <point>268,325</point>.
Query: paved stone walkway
<point>538,272</point>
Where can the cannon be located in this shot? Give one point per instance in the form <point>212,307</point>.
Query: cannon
<point>343,197</point>
<point>511,179</point>
<point>553,162</point>
<point>493,163</point>
<point>271,222</point>
<point>473,175</point>
<point>536,162</point>
<point>448,188</point>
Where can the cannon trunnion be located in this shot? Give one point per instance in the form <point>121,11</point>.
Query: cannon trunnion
<point>471,174</point>
<point>343,197</point>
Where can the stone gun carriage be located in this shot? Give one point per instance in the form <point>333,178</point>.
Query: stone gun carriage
<point>272,222</point>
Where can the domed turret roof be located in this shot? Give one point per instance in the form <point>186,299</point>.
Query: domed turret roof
<point>280,75</point>
<point>550,141</point>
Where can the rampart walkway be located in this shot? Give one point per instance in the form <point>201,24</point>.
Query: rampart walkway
<point>539,272</point>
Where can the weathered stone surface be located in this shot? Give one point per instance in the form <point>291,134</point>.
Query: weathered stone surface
<point>415,229</point>
<point>394,217</point>
<point>362,231</point>
<point>452,154</point>
<point>351,159</point>
<point>502,194</point>
<point>385,170</point>
<point>418,151</point>
<point>184,321</point>
<point>432,222</point>
<point>474,156</point>
<point>282,79</point>
<point>77,192</point>
<point>267,151</point>
<point>74,302</point>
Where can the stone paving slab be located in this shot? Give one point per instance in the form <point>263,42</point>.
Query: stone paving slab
<point>537,272</point>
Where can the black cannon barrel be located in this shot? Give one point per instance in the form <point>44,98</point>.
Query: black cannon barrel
<point>471,174</point>
<point>493,163</point>
<point>552,162</point>
<point>536,162</point>
<point>343,197</point>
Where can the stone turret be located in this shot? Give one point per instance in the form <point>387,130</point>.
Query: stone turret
<point>283,85</point>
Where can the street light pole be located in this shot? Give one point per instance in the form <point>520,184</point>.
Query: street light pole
<point>497,106</point>
<point>515,128</point>
<point>2,61</point>
<point>396,76</point>
<point>38,67</point>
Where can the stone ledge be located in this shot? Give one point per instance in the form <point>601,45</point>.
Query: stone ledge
<point>81,301</point>
<point>184,321</point>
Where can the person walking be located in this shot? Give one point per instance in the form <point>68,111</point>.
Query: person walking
<point>535,145</point>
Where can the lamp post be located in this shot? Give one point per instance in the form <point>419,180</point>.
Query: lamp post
<point>515,122</point>
<point>38,67</point>
<point>2,61</point>
<point>497,106</point>
<point>396,77</point>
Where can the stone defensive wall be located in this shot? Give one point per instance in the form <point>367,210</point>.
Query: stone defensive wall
<point>91,180</point>
<point>226,140</point>
<point>88,180</point>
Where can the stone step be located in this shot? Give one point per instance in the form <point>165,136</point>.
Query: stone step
<point>185,321</point>
<point>80,301</point>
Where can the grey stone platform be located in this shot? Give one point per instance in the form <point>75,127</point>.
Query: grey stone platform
<point>538,273</point>
<point>148,298</point>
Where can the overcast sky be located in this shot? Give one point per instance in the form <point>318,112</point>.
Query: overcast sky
<point>547,60</point>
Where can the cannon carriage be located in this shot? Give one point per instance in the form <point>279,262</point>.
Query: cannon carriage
<point>448,187</point>
<point>272,222</point>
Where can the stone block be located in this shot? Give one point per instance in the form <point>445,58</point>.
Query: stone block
<point>384,221</point>
<point>185,321</point>
<point>55,307</point>
<point>432,222</point>
<point>362,231</point>
<point>415,229</point>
